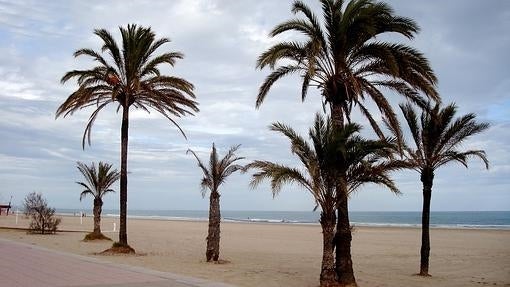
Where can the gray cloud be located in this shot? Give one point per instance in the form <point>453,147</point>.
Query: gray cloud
<point>465,41</point>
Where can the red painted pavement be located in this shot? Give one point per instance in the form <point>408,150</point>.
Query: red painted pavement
<point>23,265</point>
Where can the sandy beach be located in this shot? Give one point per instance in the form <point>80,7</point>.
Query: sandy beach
<point>290,255</point>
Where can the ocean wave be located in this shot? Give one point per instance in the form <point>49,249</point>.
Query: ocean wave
<point>160,217</point>
<point>263,220</point>
<point>492,220</point>
<point>472,226</point>
<point>439,226</point>
<point>297,222</point>
<point>377,224</point>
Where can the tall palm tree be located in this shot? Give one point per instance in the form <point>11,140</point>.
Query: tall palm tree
<point>97,184</point>
<point>437,137</point>
<point>343,59</point>
<point>131,77</point>
<point>365,160</point>
<point>346,62</point>
<point>214,176</point>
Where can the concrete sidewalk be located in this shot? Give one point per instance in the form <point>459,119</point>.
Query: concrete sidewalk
<point>23,265</point>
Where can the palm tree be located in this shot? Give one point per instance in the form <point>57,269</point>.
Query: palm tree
<point>131,77</point>
<point>97,184</point>
<point>437,138</point>
<point>365,160</point>
<point>214,176</point>
<point>345,61</point>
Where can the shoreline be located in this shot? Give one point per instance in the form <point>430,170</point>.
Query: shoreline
<point>277,222</point>
<point>109,220</point>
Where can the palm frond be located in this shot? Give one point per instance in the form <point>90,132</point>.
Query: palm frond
<point>271,79</point>
<point>340,55</point>
<point>279,175</point>
<point>335,153</point>
<point>438,135</point>
<point>218,170</point>
<point>98,179</point>
<point>129,73</point>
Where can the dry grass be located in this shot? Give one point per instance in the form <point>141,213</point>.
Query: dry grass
<point>95,236</point>
<point>118,248</point>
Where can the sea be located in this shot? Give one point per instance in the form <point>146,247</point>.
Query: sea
<point>438,219</point>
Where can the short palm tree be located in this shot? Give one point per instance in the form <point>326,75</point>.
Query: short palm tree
<point>341,56</point>
<point>129,76</point>
<point>437,137</point>
<point>365,160</point>
<point>214,176</point>
<point>98,182</point>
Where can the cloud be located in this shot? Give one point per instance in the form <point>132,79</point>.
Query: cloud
<point>15,86</point>
<point>221,40</point>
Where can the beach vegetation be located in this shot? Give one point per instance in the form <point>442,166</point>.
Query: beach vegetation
<point>98,182</point>
<point>128,76</point>
<point>215,174</point>
<point>323,160</point>
<point>42,217</point>
<point>341,57</point>
<point>438,138</point>
<point>95,236</point>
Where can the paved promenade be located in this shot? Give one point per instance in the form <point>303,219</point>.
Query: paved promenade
<point>23,265</point>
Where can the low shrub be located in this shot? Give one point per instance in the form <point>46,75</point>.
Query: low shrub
<point>42,217</point>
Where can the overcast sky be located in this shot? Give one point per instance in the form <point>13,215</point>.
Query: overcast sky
<point>467,42</point>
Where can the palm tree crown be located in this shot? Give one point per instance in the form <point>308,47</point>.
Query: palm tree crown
<point>97,180</point>
<point>218,170</point>
<point>341,56</point>
<point>129,76</point>
<point>365,161</point>
<point>437,135</point>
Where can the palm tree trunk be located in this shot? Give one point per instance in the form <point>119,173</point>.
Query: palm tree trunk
<point>427,178</point>
<point>343,238</point>
<point>123,176</point>
<point>337,115</point>
<point>213,236</point>
<point>98,204</point>
<point>328,276</point>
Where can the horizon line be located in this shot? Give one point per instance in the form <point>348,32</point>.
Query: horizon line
<point>135,209</point>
